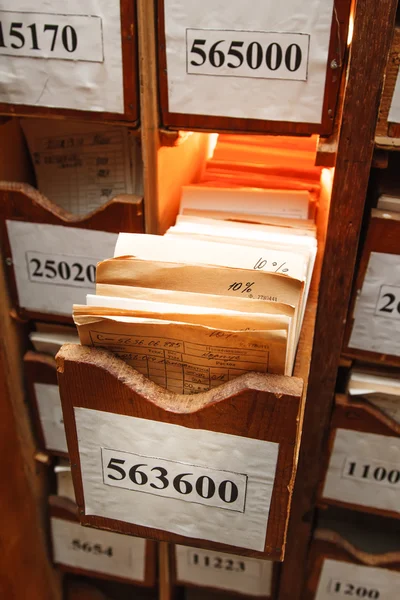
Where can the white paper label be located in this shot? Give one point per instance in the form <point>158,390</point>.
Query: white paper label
<point>270,57</point>
<point>245,575</point>
<point>48,35</point>
<point>51,416</point>
<point>55,266</point>
<point>364,469</point>
<point>261,54</point>
<point>98,550</point>
<point>394,112</point>
<point>189,482</point>
<point>68,55</point>
<point>150,475</point>
<point>343,580</point>
<point>376,325</point>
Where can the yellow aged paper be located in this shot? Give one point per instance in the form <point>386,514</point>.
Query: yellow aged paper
<point>184,358</point>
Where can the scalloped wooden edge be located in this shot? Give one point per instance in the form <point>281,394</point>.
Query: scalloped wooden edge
<point>68,217</point>
<point>63,504</point>
<point>372,560</point>
<point>278,385</point>
<point>343,401</point>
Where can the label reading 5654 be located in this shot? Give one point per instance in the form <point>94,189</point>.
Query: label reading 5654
<point>182,481</point>
<point>255,54</point>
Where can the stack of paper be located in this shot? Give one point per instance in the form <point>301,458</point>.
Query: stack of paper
<point>256,176</point>
<point>224,291</point>
<point>193,313</point>
<point>380,388</point>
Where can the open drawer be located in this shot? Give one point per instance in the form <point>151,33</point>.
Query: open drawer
<point>212,470</point>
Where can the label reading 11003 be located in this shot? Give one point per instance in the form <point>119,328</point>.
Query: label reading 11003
<point>75,271</point>
<point>182,481</point>
<point>255,54</point>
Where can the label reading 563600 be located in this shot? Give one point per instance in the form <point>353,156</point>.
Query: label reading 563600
<point>182,481</point>
<point>255,54</point>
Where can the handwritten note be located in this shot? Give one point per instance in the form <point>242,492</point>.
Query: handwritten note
<point>81,166</point>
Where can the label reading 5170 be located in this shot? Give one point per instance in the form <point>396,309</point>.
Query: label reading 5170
<point>49,35</point>
<point>255,54</point>
<point>182,481</point>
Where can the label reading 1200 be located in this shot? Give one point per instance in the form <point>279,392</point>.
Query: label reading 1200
<point>346,589</point>
<point>75,271</point>
<point>49,35</point>
<point>255,54</point>
<point>181,481</point>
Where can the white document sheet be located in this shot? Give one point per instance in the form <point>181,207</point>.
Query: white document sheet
<point>168,249</point>
<point>51,416</point>
<point>97,550</point>
<point>55,266</point>
<point>376,325</point>
<point>224,497</point>
<point>208,568</point>
<point>341,579</point>
<point>254,60</point>
<point>81,166</point>
<point>67,54</point>
<point>278,203</point>
<point>364,469</point>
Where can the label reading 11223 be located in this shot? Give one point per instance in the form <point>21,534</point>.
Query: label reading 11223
<point>255,54</point>
<point>182,481</point>
<point>223,562</point>
<point>49,35</point>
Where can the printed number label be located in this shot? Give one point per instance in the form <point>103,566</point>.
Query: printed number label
<point>256,54</point>
<point>182,481</point>
<point>388,304</point>
<point>372,472</point>
<point>46,35</point>
<point>72,271</point>
<point>95,549</point>
<point>220,562</point>
<point>342,588</point>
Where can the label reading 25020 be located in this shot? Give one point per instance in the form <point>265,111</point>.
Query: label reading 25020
<point>182,481</point>
<point>255,54</point>
<point>75,271</point>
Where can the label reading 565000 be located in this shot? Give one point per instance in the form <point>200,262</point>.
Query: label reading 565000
<point>255,54</point>
<point>182,481</point>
